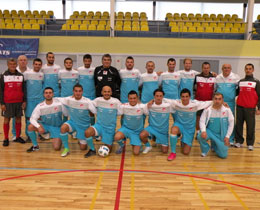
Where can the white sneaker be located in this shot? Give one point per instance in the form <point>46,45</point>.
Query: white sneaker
<point>203,154</point>
<point>250,148</point>
<point>46,136</point>
<point>74,134</point>
<point>147,149</point>
<point>237,145</point>
<point>13,138</point>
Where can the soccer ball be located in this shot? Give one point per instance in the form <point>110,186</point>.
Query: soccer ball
<point>103,151</point>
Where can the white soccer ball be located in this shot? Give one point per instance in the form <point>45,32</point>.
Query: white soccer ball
<point>103,151</point>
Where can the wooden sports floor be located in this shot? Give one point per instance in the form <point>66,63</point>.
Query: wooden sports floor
<point>44,180</point>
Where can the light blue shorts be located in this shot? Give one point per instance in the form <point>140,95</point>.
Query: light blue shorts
<point>160,137</point>
<point>106,133</point>
<point>187,134</point>
<point>54,131</point>
<point>133,136</point>
<point>79,130</point>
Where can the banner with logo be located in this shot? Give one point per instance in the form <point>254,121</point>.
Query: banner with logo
<point>12,48</point>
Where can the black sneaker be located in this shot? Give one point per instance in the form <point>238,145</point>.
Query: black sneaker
<point>19,140</point>
<point>6,143</point>
<point>90,153</point>
<point>33,148</point>
<point>28,140</point>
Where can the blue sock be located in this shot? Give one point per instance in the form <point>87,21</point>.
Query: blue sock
<point>92,120</point>
<point>13,127</point>
<point>121,143</point>
<point>147,144</point>
<point>26,128</point>
<point>90,143</point>
<point>173,142</point>
<point>64,139</point>
<point>32,136</point>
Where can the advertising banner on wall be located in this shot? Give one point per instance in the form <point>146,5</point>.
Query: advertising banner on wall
<point>12,47</point>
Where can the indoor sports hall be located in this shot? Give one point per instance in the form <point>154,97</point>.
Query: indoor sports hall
<point>218,32</point>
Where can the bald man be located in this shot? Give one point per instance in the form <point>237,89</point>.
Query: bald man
<point>226,84</point>
<point>107,110</point>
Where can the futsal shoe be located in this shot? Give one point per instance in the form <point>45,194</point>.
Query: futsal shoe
<point>90,153</point>
<point>65,152</point>
<point>33,148</point>
<point>6,143</point>
<point>147,149</point>
<point>171,156</point>
<point>237,145</point>
<point>19,140</point>
<point>250,148</point>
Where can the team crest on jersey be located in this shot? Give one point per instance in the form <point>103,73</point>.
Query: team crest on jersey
<point>164,109</point>
<point>138,110</point>
<point>249,83</point>
<point>223,113</point>
<point>55,108</point>
<point>81,105</point>
<point>73,75</point>
<point>55,70</point>
<point>190,108</point>
<point>155,77</point>
<point>111,105</point>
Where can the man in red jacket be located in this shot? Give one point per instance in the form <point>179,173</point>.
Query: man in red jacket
<point>248,99</point>
<point>12,99</point>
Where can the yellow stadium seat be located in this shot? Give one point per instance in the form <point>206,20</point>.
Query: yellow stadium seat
<point>201,19</point>
<point>83,27</point>
<point>204,24</point>
<point>243,25</point>
<point>135,23</point>
<point>180,24</point>
<point>175,29</point>
<point>212,16</point>
<point>94,22</point>
<point>188,24</point>
<point>129,23</point>
<point>185,18</point>
<point>35,26</point>
<point>43,12</point>
<point>95,17</point>
<point>1,16</point>
<point>9,20</point>
<point>234,16</point>
<point>226,30</point>
<point>22,16</point>
<point>200,29</point>
<point>118,27</point>
<point>77,22</point>
<point>191,15</point>
<point>91,13</point>
<point>213,24</point>
<point>50,13</point>
<point>120,13</point>
<point>221,24</point>
<point>227,16</point>
<point>25,21</point>
<point>105,13</point>
<point>88,17</point>
<point>217,30</point>
<point>258,17</point>
<point>35,12</point>
<point>234,30</point>
<point>237,25</point>
<point>196,24</point>
<point>205,15</point>
<point>100,27</point>
<point>168,15</point>
<point>32,21</point>
<point>7,16</point>
<point>76,13</point>
<point>41,21</point>
<point>183,29</point>
<point>127,18</point>
<point>104,17</point>
<point>37,16</point>
<point>120,17</point>
<point>65,27</point>
<point>119,22</point>
<point>98,13</point>
<point>143,14</point>
<point>27,26</point>
<point>74,27</point>
<point>135,14</point>
<point>144,23</point>
<point>229,25</point>
<point>86,22</point>
<point>92,27</point>
<point>198,15</point>
<point>183,15</point>
<point>144,28</point>
<point>209,29</point>
<point>14,15</point>
<point>208,19</point>
<point>135,28</point>
<point>135,18</point>
<point>16,21</point>
<point>13,12</point>
<point>28,12</point>
<point>30,16</point>
<point>6,12</point>
<point>20,12</point>
<point>2,25</point>
<point>172,23</point>
<point>242,30</point>
<point>192,29</point>
<point>80,17</point>
<point>239,20</point>
<point>83,13</point>
<point>143,18</point>
<point>193,19</point>
<point>102,22</point>
<point>220,16</point>
<point>128,14</point>
<point>127,28</point>
<point>72,17</point>
<point>107,27</point>
<point>69,22</point>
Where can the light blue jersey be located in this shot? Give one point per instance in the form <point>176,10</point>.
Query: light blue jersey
<point>50,115</point>
<point>68,78</point>
<point>170,84</point>
<point>129,81</point>
<point>86,79</point>
<point>187,80</point>
<point>34,85</point>
<point>51,78</point>
<point>150,83</point>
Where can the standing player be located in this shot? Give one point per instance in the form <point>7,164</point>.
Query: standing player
<point>130,79</point>
<point>79,109</point>
<point>51,70</point>
<point>34,85</point>
<point>132,123</point>
<point>216,124</point>
<point>107,75</point>
<point>68,78</point>
<point>247,101</point>
<point>187,76</point>
<point>107,110</point>
<point>46,117</point>
<point>170,80</point>
<point>149,82</point>
<point>159,113</point>
<point>13,99</point>
<point>86,77</point>
<point>184,113</point>
<point>204,86</point>
<point>226,84</point>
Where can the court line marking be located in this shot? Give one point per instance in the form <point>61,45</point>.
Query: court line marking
<point>230,188</point>
<point>197,189</point>
<point>133,171</point>
<point>120,179</point>
<point>132,204</point>
<point>98,185</point>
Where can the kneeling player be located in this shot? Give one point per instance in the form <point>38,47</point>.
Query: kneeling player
<point>46,117</point>
<point>132,123</point>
